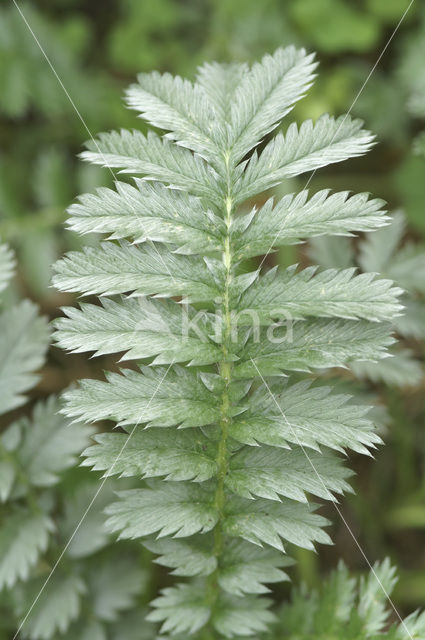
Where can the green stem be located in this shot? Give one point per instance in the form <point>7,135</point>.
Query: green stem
<point>225,371</point>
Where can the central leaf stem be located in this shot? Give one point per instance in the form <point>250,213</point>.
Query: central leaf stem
<point>225,371</point>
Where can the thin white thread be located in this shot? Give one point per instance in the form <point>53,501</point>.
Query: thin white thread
<point>265,383</point>
<point>102,484</point>
<point>350,109</point>
<point>55,566</point>
<point>338,510</point>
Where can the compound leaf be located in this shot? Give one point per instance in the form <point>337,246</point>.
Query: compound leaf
<point>181,609</point>
<point>156,158</point>
<point>49,444</point>
<point>157,396</point>
<point>23,537</point>
<point>296,217</point>
<point>265,94</point>
<point>303,346</point>
<point>303,149</point>
<point>141,328</point>
<point>337,293</point>
<point>147,271</point>
<point>23,342</point>
<point>262,522</point>
<point>148,211</point>
<point>176,509</point>
<point>309,416</point>
<point>270,473</point>
<point>181,455</point>
<point>180,107</point>
<point>57,605</point>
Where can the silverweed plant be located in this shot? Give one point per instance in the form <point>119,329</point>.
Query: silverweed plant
<point>221,417</point>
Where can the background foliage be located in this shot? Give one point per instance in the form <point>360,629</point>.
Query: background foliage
<point>97,48</point>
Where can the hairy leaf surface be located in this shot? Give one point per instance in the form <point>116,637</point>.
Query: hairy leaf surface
<point>154,157</point>
<point>311,345</point>
<point>114,269</point>
<point>330,293</point>
<point>296,217</point>
<point>220,502</point>
<point>148,211</point>
<point>174,510</point>
<point>141,328</point>
<point>157,397</point>
<point>307,416</point>
<point>185,455</point>
<point>302,149</point>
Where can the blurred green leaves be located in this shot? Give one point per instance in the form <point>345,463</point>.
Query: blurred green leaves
<point>335,26</point>
<point>25,83</point>
<point>410,184</point>
<point>136,40</point>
